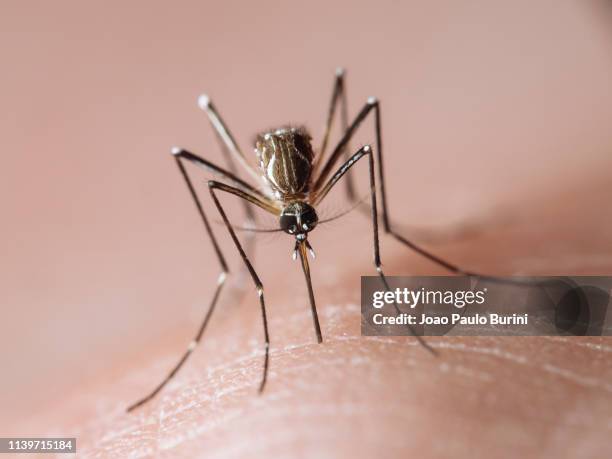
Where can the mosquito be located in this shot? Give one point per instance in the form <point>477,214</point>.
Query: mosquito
<point>293,179</point>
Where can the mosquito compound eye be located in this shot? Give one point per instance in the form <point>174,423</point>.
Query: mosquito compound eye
<point>288,223</point>
<point>309,219</point>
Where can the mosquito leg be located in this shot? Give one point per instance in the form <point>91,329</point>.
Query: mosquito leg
<point>373,105</point>
<point>372,102</point>
<point>219,171</point>
<point>192,345</point>
<point>232,176</point>
<point>320,195</point>
<point>266,205</point>
<point>227,143</point>
<point>338,93</point>
<point>215,298</point>
<point>338,150</point>
<point>225,136</point>
<point>338,98</point>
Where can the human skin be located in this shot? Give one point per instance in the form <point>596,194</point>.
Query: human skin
<point>355,396</point>
<point>496,132</point>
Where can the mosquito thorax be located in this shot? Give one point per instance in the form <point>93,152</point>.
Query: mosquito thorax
<point>285,158</point>
<point>298,218</point>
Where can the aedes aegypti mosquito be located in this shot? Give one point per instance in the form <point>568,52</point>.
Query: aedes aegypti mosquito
<point>292,181</point>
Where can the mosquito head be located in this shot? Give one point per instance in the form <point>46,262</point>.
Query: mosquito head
<point>298,219</point>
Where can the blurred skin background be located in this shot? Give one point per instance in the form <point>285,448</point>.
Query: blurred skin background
<point>488,108</point>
